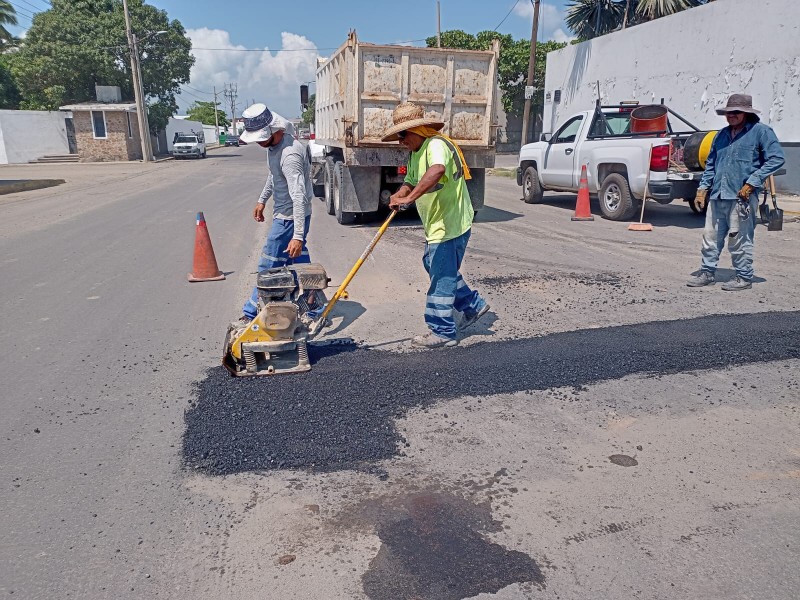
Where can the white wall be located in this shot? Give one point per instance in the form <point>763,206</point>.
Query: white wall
<point>694,60</point>
<point>26,135</point>
<point>185,125</point>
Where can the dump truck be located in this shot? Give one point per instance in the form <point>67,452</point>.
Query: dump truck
<point>359,86</point>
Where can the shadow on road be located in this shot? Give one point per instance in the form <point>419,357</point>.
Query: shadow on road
<point>675,214</point>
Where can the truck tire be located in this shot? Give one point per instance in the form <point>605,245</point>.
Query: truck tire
<point>616,201</point>
<point>695,209</point>
<point>344,218</point>
<point>327,180</point>
<point>532,192</point>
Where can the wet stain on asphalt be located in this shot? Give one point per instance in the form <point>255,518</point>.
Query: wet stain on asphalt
<point>341,414</point>
<point>623,460</point>
<point>433,547</point>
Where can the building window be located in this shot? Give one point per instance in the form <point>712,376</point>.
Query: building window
<point>130,127</point>
<point>99,124</point>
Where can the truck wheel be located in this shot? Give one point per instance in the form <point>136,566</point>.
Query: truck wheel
<point>532,191</point>
<point>695,209</point>
<point>616,201</point>
<point>328,183</point>
<point>345,218</point>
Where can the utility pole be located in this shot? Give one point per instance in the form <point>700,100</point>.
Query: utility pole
<point>438,25</point>
<point>526,111</point>
<point>216,118</point>
<point>231,93</point>
<point>138,90</point>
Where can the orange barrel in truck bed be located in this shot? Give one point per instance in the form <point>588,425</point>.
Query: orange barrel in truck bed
<point>696,149</point>
<point>649,118</point>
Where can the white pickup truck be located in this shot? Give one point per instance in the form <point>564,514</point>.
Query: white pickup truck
<point>617,161</point>
<point>187,145</point>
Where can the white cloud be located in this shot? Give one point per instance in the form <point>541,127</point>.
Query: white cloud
<point>272,77</point>
<point>559,35</point>
<point>551,20</point>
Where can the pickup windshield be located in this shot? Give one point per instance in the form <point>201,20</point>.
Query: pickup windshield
<point>186,139</point>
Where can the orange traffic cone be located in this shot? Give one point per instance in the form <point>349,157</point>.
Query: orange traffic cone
<point>205,263</point>
<point>582,210</point>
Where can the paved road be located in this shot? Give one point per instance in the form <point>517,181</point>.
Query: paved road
<point>598,461</point>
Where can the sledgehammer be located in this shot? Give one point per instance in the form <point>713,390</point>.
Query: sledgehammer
<point>343,286</point>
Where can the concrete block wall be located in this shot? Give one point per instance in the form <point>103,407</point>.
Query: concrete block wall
<point>694,60</point>
<point>117,146</point>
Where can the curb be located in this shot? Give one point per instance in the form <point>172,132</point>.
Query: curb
<point>27,185</point>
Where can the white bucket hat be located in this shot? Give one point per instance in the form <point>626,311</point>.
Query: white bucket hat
<point>260,124</point>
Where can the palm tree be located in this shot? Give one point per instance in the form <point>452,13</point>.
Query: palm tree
<point>653,9</point>
<point>590,18</point>
<point>8,16</point>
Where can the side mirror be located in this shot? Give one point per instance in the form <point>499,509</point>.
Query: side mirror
<point>546,137</point>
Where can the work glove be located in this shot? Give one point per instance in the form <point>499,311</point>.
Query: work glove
<point>700,198</point>
<point>745,192</point>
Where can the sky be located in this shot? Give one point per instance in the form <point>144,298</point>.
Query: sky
<point>267,48</point>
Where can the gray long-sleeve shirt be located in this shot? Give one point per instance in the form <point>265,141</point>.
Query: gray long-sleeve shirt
<point>290,182</point>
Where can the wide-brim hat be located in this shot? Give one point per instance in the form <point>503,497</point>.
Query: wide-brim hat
<point>739,103</point>
<point>406,116</point>
<point>260,123</point>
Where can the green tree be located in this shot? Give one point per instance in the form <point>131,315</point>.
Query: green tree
<point>77,44</point>
<point>8,16</point>
<point>9,93</point>
<point>204,112</point>
<point>308,113</point>
<point>512,65</point>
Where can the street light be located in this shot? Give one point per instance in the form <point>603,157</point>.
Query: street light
<point>138,88</point>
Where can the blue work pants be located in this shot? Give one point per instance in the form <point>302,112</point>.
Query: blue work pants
<point>448,290</point>
<point>724,221</point>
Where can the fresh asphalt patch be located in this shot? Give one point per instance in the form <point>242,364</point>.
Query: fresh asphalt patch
<point>341,414</point>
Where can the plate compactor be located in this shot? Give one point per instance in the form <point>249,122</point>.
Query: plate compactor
<point>289,302</point>
<point>276,340</point>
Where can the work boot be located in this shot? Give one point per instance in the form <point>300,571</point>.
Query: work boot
<point>703,279</point>
<point>431,340</point>
<point>468,321</point>
<point>735,285</point>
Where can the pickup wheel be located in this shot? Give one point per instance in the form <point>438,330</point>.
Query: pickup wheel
<point>697,210</point>
<point>616,201</point>
<point>344,218</point>
<point>327,180</point>
<point>532,192</point>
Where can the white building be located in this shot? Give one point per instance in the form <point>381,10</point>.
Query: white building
<point>693,60</point>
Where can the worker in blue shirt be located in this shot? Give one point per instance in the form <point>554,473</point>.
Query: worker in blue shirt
<point>742,156</point>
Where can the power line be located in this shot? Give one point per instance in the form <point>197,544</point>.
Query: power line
<point>196,90</point>
<point>295,49</point>
<point>21,11</point>
<point>504,18</point>
<point>33,6</point>
<point>182,92</point>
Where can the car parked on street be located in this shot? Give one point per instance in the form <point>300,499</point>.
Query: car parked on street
<point>232,140</point>
<point>189,145</point>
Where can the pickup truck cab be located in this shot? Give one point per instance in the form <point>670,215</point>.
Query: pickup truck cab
<point>619,164</point>
<point>187,145</point>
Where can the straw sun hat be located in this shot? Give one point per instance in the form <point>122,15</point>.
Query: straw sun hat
<point>406,116</point>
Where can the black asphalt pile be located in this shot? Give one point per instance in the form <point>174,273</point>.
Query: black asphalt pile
<point>341,414</point>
